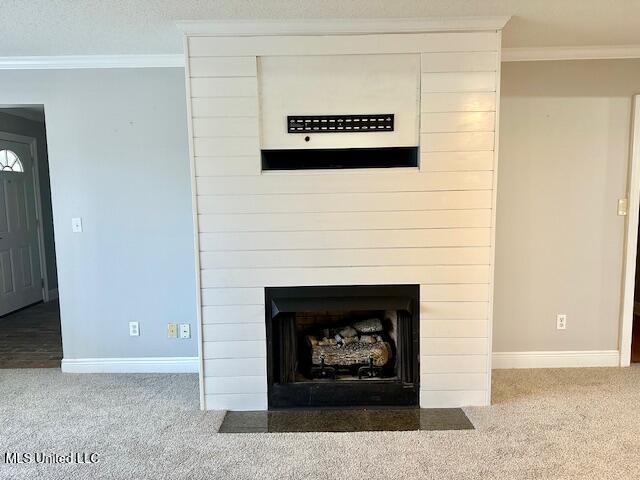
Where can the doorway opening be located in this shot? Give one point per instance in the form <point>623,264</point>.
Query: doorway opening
<point>630,322</point>
<point>30,336</point>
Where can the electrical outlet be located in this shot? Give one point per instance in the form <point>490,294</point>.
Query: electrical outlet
<point>185,330</point>
<point>134,329</point>
<point>172,330</point>
<point>561,321</point>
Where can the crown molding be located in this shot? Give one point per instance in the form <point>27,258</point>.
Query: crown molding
<point>63,62</point>
<point>55,62</point>
<point>339,26</point>
<point>570,53</point>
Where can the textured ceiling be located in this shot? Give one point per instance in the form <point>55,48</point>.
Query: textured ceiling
<point>65,27</point>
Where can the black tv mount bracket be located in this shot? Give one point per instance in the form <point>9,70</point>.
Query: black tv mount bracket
<point>382,122</point>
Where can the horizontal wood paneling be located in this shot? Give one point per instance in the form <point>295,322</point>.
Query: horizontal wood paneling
<point>452,398</point>
<point>232,296</point>
<point>344,202</point>
<point>238,401</point>
<point>347,257</point>
<point>235,367</point>
<point>454,310</point>
<point>341,44</point>
<point>224,87</point>
<point>235,349</point>
<point>230,385</point>
<point>223,66</point>
<point>455,293</point>
<point>224,107</point>
<point>225,146</point>
<point>456,161</point>
<point>234,332</point>
<point>459,62</point>
<point>437,237</point>
<point>457,142</point>
<point>454,346</point>
<point>453,363</point>
<point>276,222</point>
<point>243,165</point>
<point>430,226</point>
<point>458,82</point>
<point>453,381</point>
<point>457,122</point>
<point>453,328</point>
<point>309,184</point>
<point>277,277</point>
<point>458,102</point>
<point>224,127</point>
<point>232,314</point>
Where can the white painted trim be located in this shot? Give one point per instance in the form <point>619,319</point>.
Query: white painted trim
<point>340,26</point>
<point>494,205</point>
<point>90,61</point>
<point>196,229</point>
<point>529,54</point>
<point>631,239</point>
<point>64,62</point>
<point>53,294</point>
<point>564,359</point>
<point>131,365</point>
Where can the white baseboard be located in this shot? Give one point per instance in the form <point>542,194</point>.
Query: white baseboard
<point>53,294</point>
<point>563,359</point>
<point>131,365</point>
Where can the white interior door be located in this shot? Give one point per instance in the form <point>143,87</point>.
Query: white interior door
<point>20,276</point>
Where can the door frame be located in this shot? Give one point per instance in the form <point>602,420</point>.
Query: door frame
<point>631,240</point>
<point>33,148</point>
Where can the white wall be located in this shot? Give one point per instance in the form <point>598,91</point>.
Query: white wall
<point>563,165</point>
<point>119,159</point>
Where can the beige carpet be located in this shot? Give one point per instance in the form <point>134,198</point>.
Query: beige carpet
<point>546,424</point>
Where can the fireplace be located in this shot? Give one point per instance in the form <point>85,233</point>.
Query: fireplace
<point>342,346</point>
<point>291,126</point>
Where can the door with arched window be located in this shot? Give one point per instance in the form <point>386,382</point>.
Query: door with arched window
<point>20,276</point>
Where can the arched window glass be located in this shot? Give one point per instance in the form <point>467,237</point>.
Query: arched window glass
<point>9,162</point>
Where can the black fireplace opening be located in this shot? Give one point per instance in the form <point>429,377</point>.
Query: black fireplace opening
<point>340,346</point>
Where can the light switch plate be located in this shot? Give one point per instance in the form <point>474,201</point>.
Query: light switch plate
<point>76,225</point>
<point>185,330</point>
<point>623,207</point>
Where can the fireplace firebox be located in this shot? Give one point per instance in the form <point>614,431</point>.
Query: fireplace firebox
<point>339,346</point>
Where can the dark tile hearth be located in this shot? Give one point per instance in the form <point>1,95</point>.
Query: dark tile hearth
<point>31,338</point>
<point>345,420</point>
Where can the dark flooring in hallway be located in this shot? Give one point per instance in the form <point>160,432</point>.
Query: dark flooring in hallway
<point>31,338</point>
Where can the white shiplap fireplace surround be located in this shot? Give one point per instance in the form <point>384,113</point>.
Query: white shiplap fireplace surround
<point>432,225</point>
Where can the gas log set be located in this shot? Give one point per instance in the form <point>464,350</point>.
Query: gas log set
<point>360,348</point>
